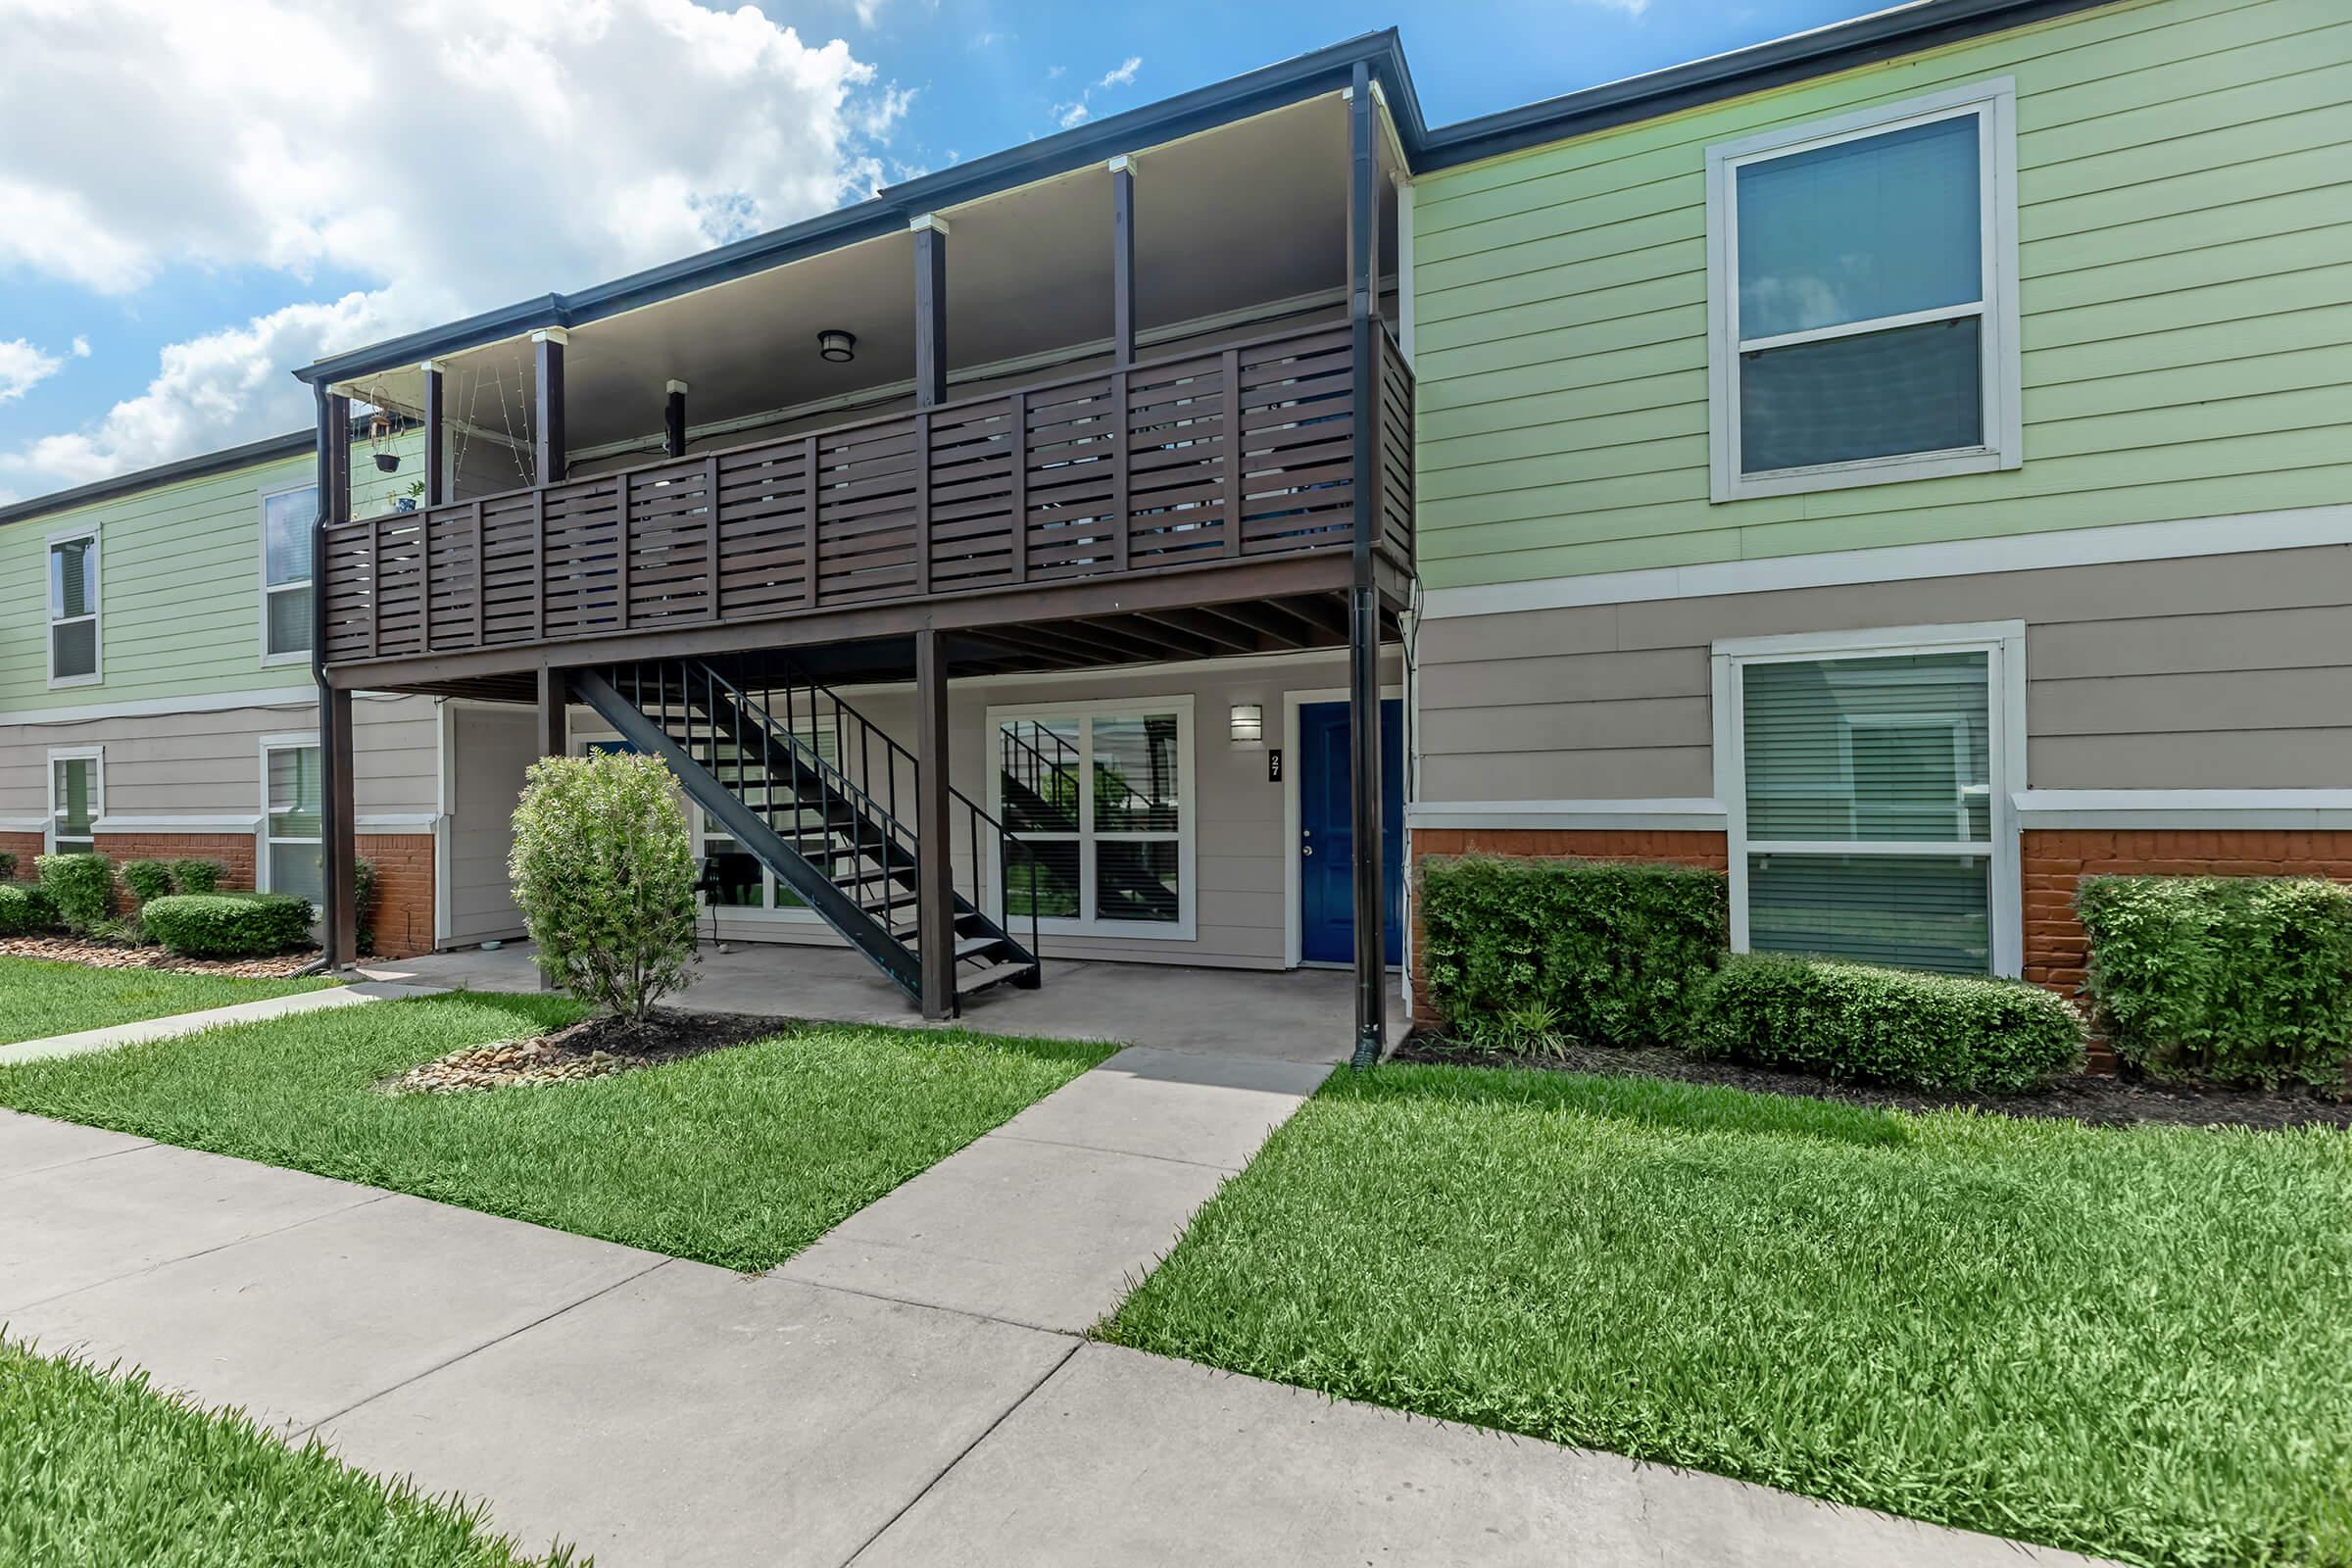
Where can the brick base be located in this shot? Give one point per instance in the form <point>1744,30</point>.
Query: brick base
<point>232,852</point>
<point>1663,846</point>
<point>2055,860</point>
<point>25,847</point>
<point>404,892</point>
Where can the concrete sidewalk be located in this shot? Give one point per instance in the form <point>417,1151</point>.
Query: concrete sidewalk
<point>912,1390</point>
<point>175,1025</point>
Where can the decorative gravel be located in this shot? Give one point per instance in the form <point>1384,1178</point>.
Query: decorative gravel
<point>115,956</point>
<point>594,1047</point>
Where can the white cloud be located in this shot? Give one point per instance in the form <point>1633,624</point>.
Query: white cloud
<point>445,155</point>
<point>24,367</point>
<point>1080,109</point>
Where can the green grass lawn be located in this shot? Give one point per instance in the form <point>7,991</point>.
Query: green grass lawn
<point>101,1473</point>
<point>738,1157</point>
<point>39,999</point>
<point>2130,1343</point>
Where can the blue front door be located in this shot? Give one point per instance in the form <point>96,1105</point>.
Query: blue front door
<point>1327,845</point>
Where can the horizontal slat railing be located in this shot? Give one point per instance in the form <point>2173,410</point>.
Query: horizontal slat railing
<point>1225,453</point>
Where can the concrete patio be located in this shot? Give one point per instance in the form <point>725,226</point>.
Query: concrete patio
<point>1291,1015</point>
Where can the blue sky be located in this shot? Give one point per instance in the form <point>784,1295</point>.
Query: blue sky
<point>187,229</point>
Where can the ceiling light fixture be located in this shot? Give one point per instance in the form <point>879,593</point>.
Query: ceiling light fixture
<point>836,345</point>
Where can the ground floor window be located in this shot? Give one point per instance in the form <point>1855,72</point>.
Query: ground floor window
<point>1867,780</point>
<point>75,801</point>
<point>1100,797</point>
<point>293,818</point>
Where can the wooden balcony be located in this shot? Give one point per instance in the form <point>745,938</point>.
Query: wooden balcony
<point>1220,460</point>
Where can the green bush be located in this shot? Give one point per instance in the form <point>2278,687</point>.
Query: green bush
<point>363,905</point>
<point>148,880</point>
<point>196,877</point>
<point>81,887</point>
<point>2222,979</point>
<point>228,925</point>
<point>604,872</point>
<point>8,865</point>
<point>26,909</point>
<point>1861,1023</point>
<point>1610,953</point>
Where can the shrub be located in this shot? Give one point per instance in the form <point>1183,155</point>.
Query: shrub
<point>1889,1026</point>
<point>604,873</point>
<point>196,877</point>
<point>81,887</point>
<point>1609,953</point>
<point>148,880</point>
<point>228,925</point>
<point>26,907</point>
<point>363,905</point>
<point>2239,980</point>
<point>8,865</point>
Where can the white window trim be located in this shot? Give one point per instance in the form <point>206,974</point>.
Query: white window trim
<point>1186,928</point>
<point>2003,643</point>
<point>262,838</point>
<point>96,617</point>
<point>260,507</point>
<point>1995,103</point>
<point>95,755</point>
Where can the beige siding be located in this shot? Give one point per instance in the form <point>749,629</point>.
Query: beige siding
<point>2216,672</point>
<point>210,764</point>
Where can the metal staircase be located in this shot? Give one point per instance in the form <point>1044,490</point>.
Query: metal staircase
<point>809,788</point>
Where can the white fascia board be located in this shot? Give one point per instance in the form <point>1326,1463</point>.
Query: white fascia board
<point>1669,814</point>
<point>2208,810</point>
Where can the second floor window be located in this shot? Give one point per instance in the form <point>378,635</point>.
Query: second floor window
<point>1864,298</point>
<point>286,518</point>
<point>74,610</point>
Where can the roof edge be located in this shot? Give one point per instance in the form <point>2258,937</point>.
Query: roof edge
<point>203,465</point>
<point>1841,46</point>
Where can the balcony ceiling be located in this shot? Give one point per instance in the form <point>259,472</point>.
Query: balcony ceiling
<point>1229,221</point>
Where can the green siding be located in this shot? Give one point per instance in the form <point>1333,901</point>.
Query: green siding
<point>180,587</point>
<point>2185,257</point>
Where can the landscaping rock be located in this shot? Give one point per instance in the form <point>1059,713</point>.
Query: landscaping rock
<point>595,1048</point>
<point>115,956</point>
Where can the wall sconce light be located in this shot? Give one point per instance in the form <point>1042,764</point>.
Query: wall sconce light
<point>1249,723</point>
<point>836,345</point>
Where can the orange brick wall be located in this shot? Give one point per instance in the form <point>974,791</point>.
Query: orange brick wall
<point>2055,860</point>
<point>1668,846</point>
<point>233,852</point>
<point>404,892</point>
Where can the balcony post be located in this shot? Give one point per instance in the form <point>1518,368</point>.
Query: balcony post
<point>673,421</point>
<point>436,437</point>
<point>1122,260</point>
<point>1363,594</point>
<point>339,827</point>
<point>930,310</point>
<point>935,869</point>
<point>550,456</point>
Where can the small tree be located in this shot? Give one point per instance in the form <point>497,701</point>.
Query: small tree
<point>604,873</point>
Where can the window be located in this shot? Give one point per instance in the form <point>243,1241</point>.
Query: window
<point>293,818</point>
<point>1862,298</point>
<point>73,609</point>
<point>77,800</point>
<point>1098,794</point>
<point>286,519</point>
<point>1867,785</point>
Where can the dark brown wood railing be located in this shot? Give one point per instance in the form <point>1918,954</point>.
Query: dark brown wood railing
<point>1230,454</point>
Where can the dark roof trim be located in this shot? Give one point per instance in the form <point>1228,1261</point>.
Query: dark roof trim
<point>269,450</point>
<point>1904,29</point>
<point>1842,46</point>
<point>889,210</point>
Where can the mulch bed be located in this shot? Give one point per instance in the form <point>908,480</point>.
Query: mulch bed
<point>594,1047</point>
<point>2092,1100</point>
<point>115,956</point>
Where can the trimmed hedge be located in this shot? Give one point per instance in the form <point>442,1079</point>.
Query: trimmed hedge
<point>1891,1026</point>
<point>1611,953</point>
<point>2222,979</point>
<point>26,907</point>
<point>196,877</point>
<point>81,887</point>
<point>229,925</point>
<point>148,880</point>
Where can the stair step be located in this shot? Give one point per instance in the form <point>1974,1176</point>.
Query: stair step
<point>970,946</point>
<point>996,975</point>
